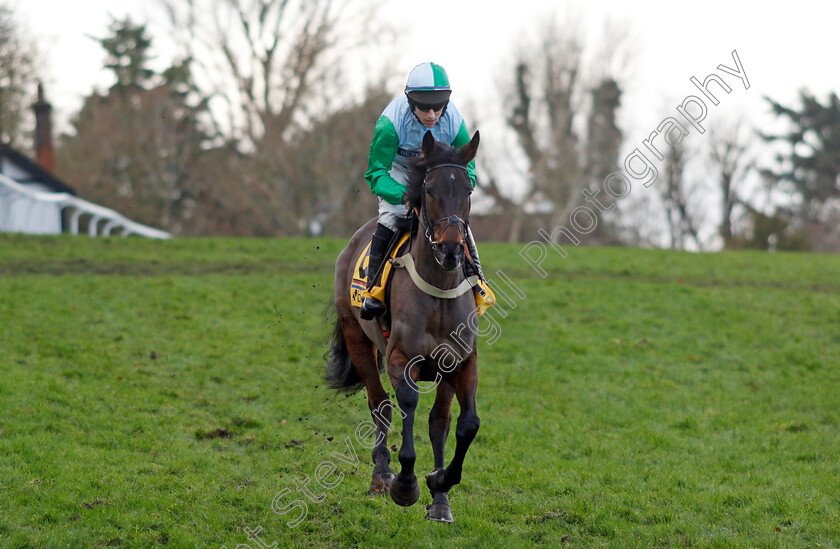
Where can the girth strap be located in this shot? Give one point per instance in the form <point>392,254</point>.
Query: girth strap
<point>407,262</point>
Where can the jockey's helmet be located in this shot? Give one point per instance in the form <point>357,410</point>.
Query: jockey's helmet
<point>428,84</point>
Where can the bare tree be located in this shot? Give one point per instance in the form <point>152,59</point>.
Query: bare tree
<point>545,89</point>
<point>133,152</point>
<point>271,71</point>
<point>18,76</point>
<point>259,60</point>
<point>728,152</point>
<point>564,121</point>
<point>675,197</point>
<point>316,181</point>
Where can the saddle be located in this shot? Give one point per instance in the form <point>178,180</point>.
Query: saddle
<point>484,297</point>
<point>360,273</point>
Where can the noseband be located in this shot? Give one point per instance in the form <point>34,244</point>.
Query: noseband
<point>450,221</point>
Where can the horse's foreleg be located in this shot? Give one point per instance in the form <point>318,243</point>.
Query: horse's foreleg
<point>465,384</point>
<point>439,420</point>
<point>404,490</point>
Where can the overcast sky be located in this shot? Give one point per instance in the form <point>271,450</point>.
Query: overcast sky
<point>781,50</point>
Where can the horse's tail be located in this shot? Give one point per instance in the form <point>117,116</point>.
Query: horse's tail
<point>340,373</point>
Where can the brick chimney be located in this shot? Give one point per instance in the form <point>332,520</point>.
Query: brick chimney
<point>44,153</point>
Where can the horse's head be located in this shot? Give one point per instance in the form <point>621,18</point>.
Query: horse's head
<point>439,193</point>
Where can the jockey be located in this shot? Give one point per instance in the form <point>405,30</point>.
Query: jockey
<point>397,138</point>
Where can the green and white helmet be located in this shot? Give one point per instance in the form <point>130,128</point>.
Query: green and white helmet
<point>428,83</point>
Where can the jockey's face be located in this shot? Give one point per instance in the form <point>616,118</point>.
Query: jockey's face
<point>428,118</point>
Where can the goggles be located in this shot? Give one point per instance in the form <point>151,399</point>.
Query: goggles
<point>425,107</point>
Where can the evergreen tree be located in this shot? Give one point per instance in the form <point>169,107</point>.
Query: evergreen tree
<point>812,166</point>
<point>128,54</point>
<point>134,148</point>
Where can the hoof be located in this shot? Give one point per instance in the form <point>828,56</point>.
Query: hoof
<point>435,480</point>
<point>439,512</point>
<point>403,493</point>
<point>380,483</point>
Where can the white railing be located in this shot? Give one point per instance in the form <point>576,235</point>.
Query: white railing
<point>25,210</point>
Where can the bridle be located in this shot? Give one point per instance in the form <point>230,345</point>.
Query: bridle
<point>450,220</point>
<point>406,261</point>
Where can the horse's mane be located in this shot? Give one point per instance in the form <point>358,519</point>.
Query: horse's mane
<point>444,154</point>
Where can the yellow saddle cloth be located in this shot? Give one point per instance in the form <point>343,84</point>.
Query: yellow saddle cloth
<point>484,296</point>
<point>360,274</point>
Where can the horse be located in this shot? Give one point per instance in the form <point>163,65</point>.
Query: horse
<point>429,339</point>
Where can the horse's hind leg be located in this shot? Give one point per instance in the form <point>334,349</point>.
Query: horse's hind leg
<point>439,420</point>
<point>363,356</point>
<point>405,490</point>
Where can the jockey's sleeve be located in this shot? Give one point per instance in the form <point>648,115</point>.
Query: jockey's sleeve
<point>462,138</point>
<point>383,149</point>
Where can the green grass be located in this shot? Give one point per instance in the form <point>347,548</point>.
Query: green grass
<point>634,398</point>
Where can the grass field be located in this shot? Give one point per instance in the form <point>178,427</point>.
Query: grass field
<point>163,393</point>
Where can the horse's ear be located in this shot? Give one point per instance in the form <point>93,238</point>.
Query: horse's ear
<point>429,145</point>
<point>468,151</point>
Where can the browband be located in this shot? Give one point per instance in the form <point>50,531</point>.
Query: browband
<point>448,165</point>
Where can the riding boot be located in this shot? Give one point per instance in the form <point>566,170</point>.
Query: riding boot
<point>372,307</point>
<point>475,268</point>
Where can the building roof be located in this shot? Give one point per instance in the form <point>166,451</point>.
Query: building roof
<point>37,173</point>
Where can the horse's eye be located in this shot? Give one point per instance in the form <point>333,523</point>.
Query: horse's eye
<point>430,192</point>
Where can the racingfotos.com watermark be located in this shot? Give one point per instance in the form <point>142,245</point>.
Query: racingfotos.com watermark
<point>640,166</point>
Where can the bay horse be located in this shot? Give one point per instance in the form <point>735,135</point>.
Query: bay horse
<point>429,336</point>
